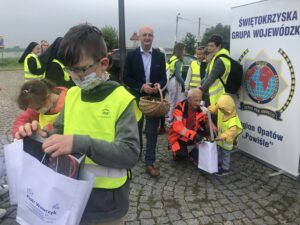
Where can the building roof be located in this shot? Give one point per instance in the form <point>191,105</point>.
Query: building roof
<point>134,37</point>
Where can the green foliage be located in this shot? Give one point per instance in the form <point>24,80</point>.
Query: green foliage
<point>111,37</point>
<point>190,42</point>
<point>10,64</point>
<point>219,29</point>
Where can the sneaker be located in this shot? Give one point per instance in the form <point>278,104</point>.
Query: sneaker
<point>222,172</point>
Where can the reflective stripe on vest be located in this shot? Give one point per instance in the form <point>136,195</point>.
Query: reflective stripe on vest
<point>66,74</point>
<point>195,78</point>
<point>183,131</point>
<point>44,120</point>
<point>225,125</point>
<point>27,74</point>
<point>173,61</point>
<point>98,120</point>
<point>217,89</point>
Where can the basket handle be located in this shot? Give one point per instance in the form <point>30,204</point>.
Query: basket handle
<point>161,95</point>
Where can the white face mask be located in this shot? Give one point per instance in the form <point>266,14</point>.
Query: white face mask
<point>90,81</point>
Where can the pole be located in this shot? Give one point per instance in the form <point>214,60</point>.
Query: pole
<point>122,42</point>
<point>176,32</point>
<point>199,26</point>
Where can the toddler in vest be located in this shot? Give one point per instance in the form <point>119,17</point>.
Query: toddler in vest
<point>42,101</point>
<point>229,128</point>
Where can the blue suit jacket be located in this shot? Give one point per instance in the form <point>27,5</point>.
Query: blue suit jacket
<point>134,74</point>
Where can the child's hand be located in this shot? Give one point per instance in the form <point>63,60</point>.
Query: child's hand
<point>58,144</point>
<point>220,138</point>
<point>213,108</point>
<point>29,129</point>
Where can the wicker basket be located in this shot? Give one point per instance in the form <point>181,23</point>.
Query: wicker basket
<point>154,107</point>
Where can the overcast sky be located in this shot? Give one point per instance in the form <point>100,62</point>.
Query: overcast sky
<point>33,20</point>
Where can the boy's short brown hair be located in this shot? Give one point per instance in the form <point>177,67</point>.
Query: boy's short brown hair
<point>80,40</point>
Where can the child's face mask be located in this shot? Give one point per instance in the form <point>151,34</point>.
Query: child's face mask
<point>90,81</point>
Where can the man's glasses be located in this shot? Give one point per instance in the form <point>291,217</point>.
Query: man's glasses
<point>80,70</point>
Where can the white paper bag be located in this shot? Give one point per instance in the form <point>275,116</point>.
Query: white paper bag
<point>47,197</point>
<point>13,161</point>
<point>208,157</point>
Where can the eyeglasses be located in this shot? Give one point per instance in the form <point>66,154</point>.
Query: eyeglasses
<point>80,70</point>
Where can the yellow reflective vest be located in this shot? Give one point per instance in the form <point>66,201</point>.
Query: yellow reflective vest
<point>217,89</point>
<point>66,74</point>
<point>98,120</point>
<point>44,119</point>
<point>172,63</point>
<point>195,74</point>
<point>27,74</point>
<point>225,125</point>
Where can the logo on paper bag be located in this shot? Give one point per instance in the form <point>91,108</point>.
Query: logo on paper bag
<point>265,87</point>
<point>43,213</point>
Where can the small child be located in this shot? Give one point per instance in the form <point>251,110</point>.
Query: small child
<point>229,128</point>
<point>41,101</point>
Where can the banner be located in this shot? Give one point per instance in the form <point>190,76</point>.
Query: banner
<point>265,37</point>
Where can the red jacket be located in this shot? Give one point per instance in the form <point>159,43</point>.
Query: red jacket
<point>29,115</point>
<point>178,129</point>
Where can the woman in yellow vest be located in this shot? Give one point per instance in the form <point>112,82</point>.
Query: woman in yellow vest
<point>229,129</point>
<point>41,101</point>
<point>55,70</point>
<point>33,69</point>
<point>175,84</point>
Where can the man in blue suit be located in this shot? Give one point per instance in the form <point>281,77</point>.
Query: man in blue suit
<point>144,74</point>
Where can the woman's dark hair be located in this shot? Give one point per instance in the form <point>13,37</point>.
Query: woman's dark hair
<point>82,40</point>
<point>178,50</point>
<point>217,39</point>
<point>28,50</point>
<point>34,93</point>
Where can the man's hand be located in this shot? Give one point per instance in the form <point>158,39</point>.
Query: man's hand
<point>147,88</point>
<point>198,138</point>
<point>156,87</point>
<point>57,145</point>
<point>204,110</point>
<point>29,129</point>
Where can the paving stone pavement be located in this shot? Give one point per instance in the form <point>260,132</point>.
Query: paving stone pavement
<point>184,194</point>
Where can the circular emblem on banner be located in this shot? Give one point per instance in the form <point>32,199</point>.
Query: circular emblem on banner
<point>261,82</point>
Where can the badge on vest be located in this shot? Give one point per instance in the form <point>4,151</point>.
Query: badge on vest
<point>106,112</point>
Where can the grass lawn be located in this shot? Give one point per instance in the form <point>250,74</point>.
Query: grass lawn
<point>10,64</point>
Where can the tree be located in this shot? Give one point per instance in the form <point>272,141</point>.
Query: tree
<point>111,37</point>
<point>190,42</point>
<point>219,29</point>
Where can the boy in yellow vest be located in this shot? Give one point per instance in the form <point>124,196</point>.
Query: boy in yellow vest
<point>99,119</point>
<point>229,128</point>
<point>196,70</point>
